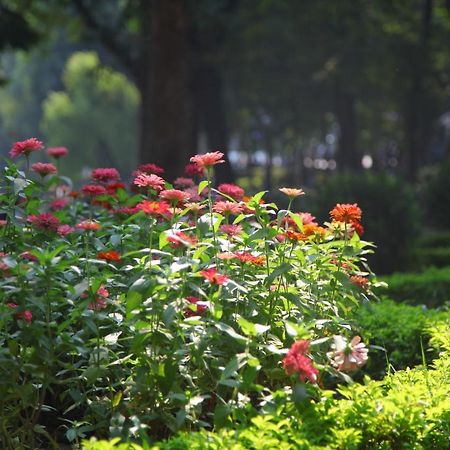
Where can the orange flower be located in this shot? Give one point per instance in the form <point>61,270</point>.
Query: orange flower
<point>88,225</point>
<point>361,282</point>
<point>292,192</point>
<point>346,212</point>
<point>154,208</point>
<point>208,159</point>
<point>213,276</point>
<point>110,255</point>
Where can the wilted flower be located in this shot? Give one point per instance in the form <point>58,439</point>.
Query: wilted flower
<point>100,297</point>
<point>348,356</point>
<point>43,169</point>
<point>208,159</point>
<point>57,152</point>
<point>25,147</point>
<point>296,361</point>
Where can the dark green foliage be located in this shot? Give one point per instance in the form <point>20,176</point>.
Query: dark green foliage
<point>426,257</point>
<point>390,213</point>
<point>399,329</point>
<point>430,288</point>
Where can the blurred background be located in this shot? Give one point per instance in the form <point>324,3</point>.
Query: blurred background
<point>349,99</point>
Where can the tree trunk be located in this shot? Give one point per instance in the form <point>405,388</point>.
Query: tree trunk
<point>347,156</point>
<point>166,118</point>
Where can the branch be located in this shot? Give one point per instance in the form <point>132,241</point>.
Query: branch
<point>106,36</point>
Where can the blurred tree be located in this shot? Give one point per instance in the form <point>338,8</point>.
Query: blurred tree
<point>76,116</point>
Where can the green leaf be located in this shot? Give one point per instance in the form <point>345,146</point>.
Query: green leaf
<point>231,332</point>
<point>133,302</point>
<point>280,270</point>
<point>202,185</point>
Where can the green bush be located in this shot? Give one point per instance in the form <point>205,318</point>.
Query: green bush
<point>390,213</point>
<point>438,256</point>
<point>400,329</point>
<point>430,287</point>
<point>407,410</point>
<point>435,239</point>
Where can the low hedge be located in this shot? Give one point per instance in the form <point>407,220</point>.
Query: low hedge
<point>407,410</point>
<point>430,287</point>
<point>397,333</point>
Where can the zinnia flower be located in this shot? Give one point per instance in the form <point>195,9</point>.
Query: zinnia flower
<point>193,169</point>
<point>227,208</point>
<point>57,152</point>
<point>231,230</point>
<point>178,238</point>
<point>361,282</point>
<point>174,196</point>
<point>150,168</point>
<point>93,190</point>
<point>43,169</point>
<point>105,175</point>
<point>233,191</point>
<point>25,147</point>
<point>44,221</point>
<point>296,361</point>
<point>63,230</point>
<point>88,225</point>
<point>100,297</point>
<point>184,182</point>
<point>348,356</point>
<point>346,212</point>
<point>110,255</point>
<point>213,276</point>
<point>58,204</point>
<point>292,192</point>
<point>248,258</point>
<point>154,207</point>
<point>208,159</point>
<point>151,181</point>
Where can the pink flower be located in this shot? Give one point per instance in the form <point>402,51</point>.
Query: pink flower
<point>174,196</point>
<point>233,191</point>
<point>194,169</point>
<point>88,225</point>
<point>29,257</point>
<point>57,152</point>
<point>307,218</point>
<point>25,315</point>
<point>100,297</point>
<point>149,181</point>
<point>105,175</point>
<point>63,230</point>
<point>213,276</point>
<point>25,147</point>
<point>184,182</point>
<point>195,308</point>
<point>154,208</point>
<point>150,168</point>
<point>59,203</point>
<point>93,190</point>
<point>178,239</point>
<point>348,356</point>
<point>227,208</point>
<point>231,230</point>
<point>207,159</point>
<point>296,361</point>
<point>44,221</point>
<point>43,169</point>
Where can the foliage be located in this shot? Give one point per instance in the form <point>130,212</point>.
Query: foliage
<point>134,313</point>
<point>430,287</point>
<point>409,409</point>
<point>390,213</point>
<point>95,116</point>
<point>397,334</point>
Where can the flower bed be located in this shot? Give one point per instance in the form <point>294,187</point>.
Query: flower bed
<point>158,308</point>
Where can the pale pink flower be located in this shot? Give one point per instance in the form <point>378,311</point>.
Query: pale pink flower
<point>232,190</point>
<point>174,196</point>
<point>208,159</point>
<point>151,181</point>
<point>227,208</point>
<point>348,356</point>
<point>43,169</point>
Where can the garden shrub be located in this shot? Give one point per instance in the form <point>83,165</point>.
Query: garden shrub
<point>397,333</point>
<point>437,257</point>
<point>430,287</point>
<point>154,310</point>
<point>390,213</point>
<point>409,409</point>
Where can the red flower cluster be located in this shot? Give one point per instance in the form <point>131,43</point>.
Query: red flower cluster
<point>100,297</point>
<point>248,258</point>
<point>25,147</point>
<point>26,315</point>
<point>213,276</point>
<point>296,361</point>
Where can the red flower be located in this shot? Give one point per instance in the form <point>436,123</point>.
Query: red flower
<point>113,187</point>
<point>346,212</point>
<point>184,182</point>
<point>93,190</point>
<point>43,169</point>
<point>63,230</point>
<point>213,277</point>
<point>361,282</point>
<point>233,191</point>
<point>207,159</point>
<point>59,203</point>
<point>44,222</point>
<point>57,152</point>
<point>196,308</point>
<point>357,227</point>
<point>105,175</point>
<point>178,238</point>
<point>25,315</point>
<point>100,297</point>
<point>127,210</point>
<point>174,196</point>
<point>150,168</point>
<point>149,181</point>
<point>110,255</point>
<point>248,258</point>
<point>194,169</point>
<point>296,361</point>
<point>154,208</point>
<point>25,147</point>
